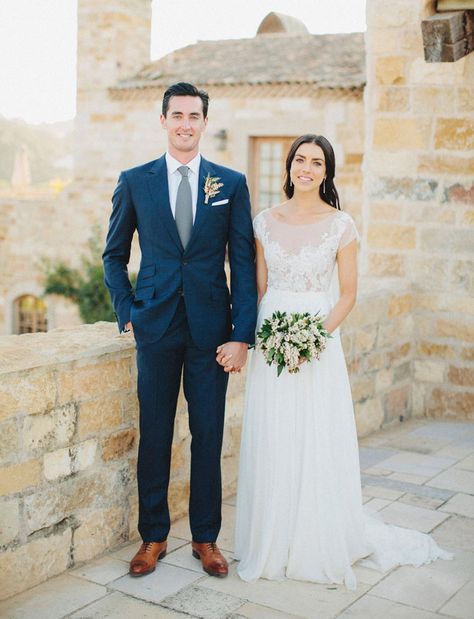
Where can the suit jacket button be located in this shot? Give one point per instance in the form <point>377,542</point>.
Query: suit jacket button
<point>184,262</point>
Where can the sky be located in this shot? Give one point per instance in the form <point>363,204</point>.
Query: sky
<point>38,41</point>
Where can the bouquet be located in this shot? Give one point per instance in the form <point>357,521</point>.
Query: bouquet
<point>287,340</point>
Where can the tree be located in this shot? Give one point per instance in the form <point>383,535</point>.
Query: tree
<point>84,286</point>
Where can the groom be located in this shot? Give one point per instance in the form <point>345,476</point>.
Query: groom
<point>187,212</point>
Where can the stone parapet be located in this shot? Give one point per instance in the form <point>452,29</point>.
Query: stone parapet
<point>68,446</point>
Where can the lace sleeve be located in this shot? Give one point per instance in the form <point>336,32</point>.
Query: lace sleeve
<point>349,232</point>
<point>258,226</point>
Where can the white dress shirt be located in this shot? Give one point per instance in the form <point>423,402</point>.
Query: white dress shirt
<point>174,179</point>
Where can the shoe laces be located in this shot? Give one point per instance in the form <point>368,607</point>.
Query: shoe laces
<point>212,546</point>
<point>146,547</point>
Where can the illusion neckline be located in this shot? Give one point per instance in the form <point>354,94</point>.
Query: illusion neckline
<point>285,223</point>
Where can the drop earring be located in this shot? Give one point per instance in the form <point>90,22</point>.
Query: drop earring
<point>291,183</point>
<point>324,185</point>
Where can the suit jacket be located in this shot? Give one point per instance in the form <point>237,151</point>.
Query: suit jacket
<point>168,272</point>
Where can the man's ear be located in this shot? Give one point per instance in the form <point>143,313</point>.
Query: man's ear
<point>163,121</point>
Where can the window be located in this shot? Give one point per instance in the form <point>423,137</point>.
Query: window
<point>268,156</point>
<point>30,315</point>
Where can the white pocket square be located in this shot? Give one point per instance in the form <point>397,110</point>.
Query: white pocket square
<point>219,202</point>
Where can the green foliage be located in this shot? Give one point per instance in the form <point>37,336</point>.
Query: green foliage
<point>84,286</point>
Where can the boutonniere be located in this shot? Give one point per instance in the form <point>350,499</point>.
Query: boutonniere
<point>211,187</point>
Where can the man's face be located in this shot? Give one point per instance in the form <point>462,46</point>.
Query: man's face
<point>184,122</point>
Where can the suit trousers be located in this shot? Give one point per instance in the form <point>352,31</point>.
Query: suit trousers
<point>160,367</point>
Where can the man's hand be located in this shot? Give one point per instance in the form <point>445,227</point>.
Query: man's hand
<point>232,356</point>
<point>128,328</point>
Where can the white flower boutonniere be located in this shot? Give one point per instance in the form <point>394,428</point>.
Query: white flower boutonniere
<point>211,187</point>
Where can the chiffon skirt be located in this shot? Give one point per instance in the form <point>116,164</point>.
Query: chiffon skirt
<point>299,508</point>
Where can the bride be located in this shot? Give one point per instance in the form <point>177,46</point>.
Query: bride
<point>299,506</point>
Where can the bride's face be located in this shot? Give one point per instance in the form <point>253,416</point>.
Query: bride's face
<point>308,168</point>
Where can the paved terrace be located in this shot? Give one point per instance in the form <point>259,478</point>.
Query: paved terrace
<point>419,474</point>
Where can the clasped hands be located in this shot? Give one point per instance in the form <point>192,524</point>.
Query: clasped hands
<point>232,356</point>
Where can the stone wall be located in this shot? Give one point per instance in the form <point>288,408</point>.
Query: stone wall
<point>68,443</point>
<point>419,198</point>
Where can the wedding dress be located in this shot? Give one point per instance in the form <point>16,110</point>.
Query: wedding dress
<point>299,507</point>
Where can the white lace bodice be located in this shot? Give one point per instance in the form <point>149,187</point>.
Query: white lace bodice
<point>301,258</point>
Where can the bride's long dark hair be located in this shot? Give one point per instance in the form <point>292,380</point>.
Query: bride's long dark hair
<point>327,189</point>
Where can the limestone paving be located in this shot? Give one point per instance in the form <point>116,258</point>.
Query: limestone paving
<point>179,588</point>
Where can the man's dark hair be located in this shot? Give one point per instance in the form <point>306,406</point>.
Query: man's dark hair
<point>183,89</point>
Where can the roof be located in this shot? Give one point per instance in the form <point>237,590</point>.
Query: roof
<point>332,61</point>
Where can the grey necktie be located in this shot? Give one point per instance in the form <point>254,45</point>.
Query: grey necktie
<point>184,207</point>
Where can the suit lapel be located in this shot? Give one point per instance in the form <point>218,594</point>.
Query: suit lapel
<point>202,209</point>
<point>158,186</point>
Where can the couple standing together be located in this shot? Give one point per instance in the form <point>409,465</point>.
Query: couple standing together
<point>299,507</point>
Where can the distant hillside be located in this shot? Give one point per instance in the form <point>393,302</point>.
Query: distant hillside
<point>49,149</point>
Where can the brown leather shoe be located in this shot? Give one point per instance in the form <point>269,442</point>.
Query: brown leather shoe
<point>211,558</point>
<point>144,562</point>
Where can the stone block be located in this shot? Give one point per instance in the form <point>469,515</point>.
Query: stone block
<point>28,392</point>
<point>47,431</point>
<point>391,236</point>
<point>25,566</point>
<point>401,134</point>
<point>461,330</point>
<point>465,99</point>
<point>386,265</point>
<point>462,277</point>
<point>363,388</point>
<point>444,403</point>
<point>98,531</point>
<point>130,408</point>
<point>368,416</point>
<point>100,415</point>
<point>178,498</point>
<point>418,394</point>
<point>395,331</point>
<point>429,371</point>
<point>18,477</point>
<point>383,379</point>
<point>468,217</point>
<point>393,99</point>
<point>456,164</point>
<point>57,464</point>
<point>118,444</point>
<point>99,379</point>
<point>9,441</point>
<point>396,402</point>
<point>47,507</point>
<point>390,70</point>
<point>399,305</point>
<point>463,376</point>
<point>365,338</point>
<point>83,455</point>
<point>9,521</point>
<point>433,349</point>
<point>454,134</point>
<point>458,192</point>
<point>404,188</point>
<point>380,211</point>
<point>425,98</point>
<point>442,240</point>
<point>397,15</point>
<point>467,353</point>
<point>402,372</point>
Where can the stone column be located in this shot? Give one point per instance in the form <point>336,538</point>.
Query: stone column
<point>419,198</point>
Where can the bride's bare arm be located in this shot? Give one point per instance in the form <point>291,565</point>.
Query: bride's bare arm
<point>262,271</point>
<point>347,271</point>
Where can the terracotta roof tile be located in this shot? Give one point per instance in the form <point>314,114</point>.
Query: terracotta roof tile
<point>328,61</point>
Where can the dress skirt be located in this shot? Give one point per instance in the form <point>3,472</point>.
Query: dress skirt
<point>299,508</point>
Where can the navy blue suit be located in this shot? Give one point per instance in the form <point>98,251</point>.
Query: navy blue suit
<point>181,311</point>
